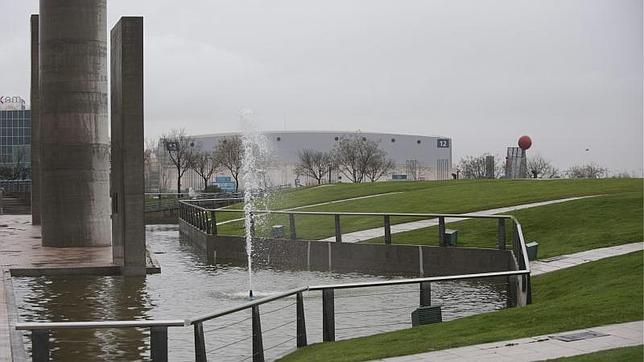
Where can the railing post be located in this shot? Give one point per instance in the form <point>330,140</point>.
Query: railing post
<point>200,343</point>
<point>441,231</point>
<point>516,246</point>
<point>213,221</point>
<point>328,316</point>
<point>387,230</point>
<point>258,346</point>
<point>159,343</point>
<point>301,323</point>
<point>291,226</point>
<point>338,230</point>
<point>501,234</point>
<point>425,294</point>
<point>40,345</point>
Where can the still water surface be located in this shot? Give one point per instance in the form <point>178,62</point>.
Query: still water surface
<point>188,287</point>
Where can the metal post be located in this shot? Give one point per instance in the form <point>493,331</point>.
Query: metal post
<point>328,316</point>
<point>258,347</point>
<point>425,294</point>
<point>501,234</point>
<point>387,230</point>
<point>338,231</point>
<point>291,226</point>
<point>40,345</point>
<point>441,231</point>
<point>213,221</point>
<point>200,343</point>
<point>159,343</point>
<point>516,246</point>
<point>301,323</point>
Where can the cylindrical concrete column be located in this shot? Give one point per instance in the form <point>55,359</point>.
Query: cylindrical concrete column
<point>75,202</point>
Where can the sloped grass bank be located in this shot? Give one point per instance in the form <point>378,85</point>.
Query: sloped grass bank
<point>625,354</point>
<point>597,293</point>
<point>559,229</point>
<point>424,197</point>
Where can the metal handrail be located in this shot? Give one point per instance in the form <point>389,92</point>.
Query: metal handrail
<point>102,324</point>
<point>420,280</point>
<point>248,305</point>
<point>159,327</point>
<point>524,253</point>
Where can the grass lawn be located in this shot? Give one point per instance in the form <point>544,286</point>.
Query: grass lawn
<point>634,354</point>
<point>597,293</point>
<point>432,196</point>
<point>559,228</point>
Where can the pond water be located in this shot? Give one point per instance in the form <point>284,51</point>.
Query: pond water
<point>188,287</point>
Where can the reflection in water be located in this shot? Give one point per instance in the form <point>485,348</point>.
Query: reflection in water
<point>85,298</point>
<point>188,287</point>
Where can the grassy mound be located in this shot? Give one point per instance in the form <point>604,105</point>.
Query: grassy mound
<point>597,293</point>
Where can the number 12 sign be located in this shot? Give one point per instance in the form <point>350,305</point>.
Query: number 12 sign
<point>443,143</point>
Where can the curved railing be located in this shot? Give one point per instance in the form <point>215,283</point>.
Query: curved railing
<point>205,220</point>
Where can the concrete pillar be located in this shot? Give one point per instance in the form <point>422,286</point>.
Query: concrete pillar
<point>35,124</point>
<point>75,204</point>
<point>127,180</point>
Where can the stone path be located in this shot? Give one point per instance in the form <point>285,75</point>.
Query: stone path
<point>364,235</point>
<point>540,348</point>
<point>565,261</point>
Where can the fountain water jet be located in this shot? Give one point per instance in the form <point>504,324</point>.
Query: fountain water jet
<point>256,153</point>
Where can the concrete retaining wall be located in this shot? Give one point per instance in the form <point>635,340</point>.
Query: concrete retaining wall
<point>408,260</point>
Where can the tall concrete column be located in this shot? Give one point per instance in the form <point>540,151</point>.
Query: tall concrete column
<point>75,203</point>
<point>35,124</point>
<point>127,180</point>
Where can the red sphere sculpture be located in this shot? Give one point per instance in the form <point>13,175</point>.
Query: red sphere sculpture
<point>525,142</point>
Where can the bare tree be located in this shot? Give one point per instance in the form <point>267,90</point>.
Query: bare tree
<point>412,168</point>
<point>473,167</point>
<point>205,165</point>
<point>379,166</point>
<point>229,154</point>
<point>180,149</point>
<point>541,168</point>
<point>353,154</point>
<point>314,164</point>
<point>590,170</point>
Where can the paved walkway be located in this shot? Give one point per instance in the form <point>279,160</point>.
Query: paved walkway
<point>364,235</point>
<point>540,347</point>
<point>565,261</point>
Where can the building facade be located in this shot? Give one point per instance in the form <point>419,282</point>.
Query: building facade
<point>416,157</point>
<point>15,138</point>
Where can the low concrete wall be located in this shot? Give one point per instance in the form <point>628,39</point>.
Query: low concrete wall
<point>407,260</point>
<point>161,217</point>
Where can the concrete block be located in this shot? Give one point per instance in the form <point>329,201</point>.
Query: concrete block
<point>127,179</point>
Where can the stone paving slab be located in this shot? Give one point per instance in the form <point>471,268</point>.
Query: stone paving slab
<point>363,235</point>
<point>539,347</point>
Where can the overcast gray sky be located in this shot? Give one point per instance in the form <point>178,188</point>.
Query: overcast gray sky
<point>566,72</point>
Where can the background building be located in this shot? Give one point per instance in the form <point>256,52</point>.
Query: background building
<point>417,157</point>
<point>15,138</point>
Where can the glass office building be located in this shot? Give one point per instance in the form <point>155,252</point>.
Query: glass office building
<point>15,138</point>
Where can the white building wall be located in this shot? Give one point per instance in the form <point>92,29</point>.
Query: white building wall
<point>434,162</point>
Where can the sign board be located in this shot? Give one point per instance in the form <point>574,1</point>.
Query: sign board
<point>222,179</point>
<point>12,103</point>
<point>443,143</point>
<point>398,177</point>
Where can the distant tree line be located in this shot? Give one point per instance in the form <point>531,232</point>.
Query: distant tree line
<point>354,156</point>
<point>475,167</point>
<point>185,154</point>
